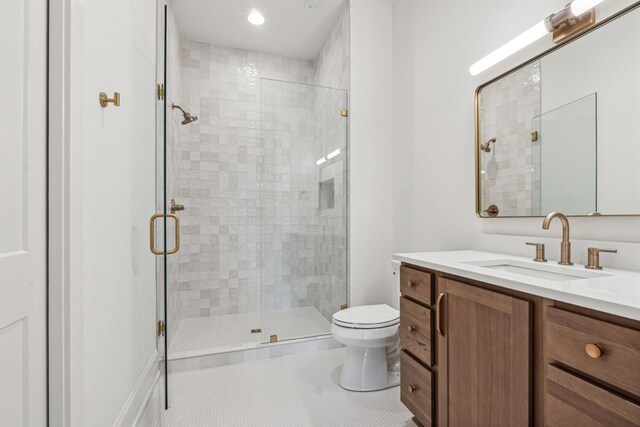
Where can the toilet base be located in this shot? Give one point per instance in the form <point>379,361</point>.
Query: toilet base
<point>367,369</point>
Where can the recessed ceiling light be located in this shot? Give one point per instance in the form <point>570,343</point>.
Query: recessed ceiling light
<point>255,17</point>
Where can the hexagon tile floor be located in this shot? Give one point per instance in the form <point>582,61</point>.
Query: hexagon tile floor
<point>297,391</point>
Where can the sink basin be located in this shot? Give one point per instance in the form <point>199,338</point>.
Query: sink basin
<point>538,271</point>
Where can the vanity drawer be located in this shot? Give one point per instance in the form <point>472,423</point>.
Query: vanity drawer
<point>416,331</point>
<point>416,389</point>
<point>571,401</point>
<point>570,337</point>
<point>416,284</point>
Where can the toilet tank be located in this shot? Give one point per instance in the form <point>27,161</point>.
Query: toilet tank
<point>395,285</point>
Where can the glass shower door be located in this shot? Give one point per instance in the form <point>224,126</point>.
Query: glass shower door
<point>165,225</point>
<point>303,212</point>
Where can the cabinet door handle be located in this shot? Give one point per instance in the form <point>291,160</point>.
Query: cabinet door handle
<point>412,328</point>
<point>439,313</point>
<point>413,388</point>
<point>411,283</point>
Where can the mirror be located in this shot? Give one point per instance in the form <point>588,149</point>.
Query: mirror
<point>561,132</point>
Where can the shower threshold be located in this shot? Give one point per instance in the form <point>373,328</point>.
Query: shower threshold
<point>232,332</point>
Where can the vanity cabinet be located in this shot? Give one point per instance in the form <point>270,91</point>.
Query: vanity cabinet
<point>573,401</point>
<point>476,354</point>
<point>484,356</point>
<point>417,380</point>
<point>417,389</point>
<point>483,365</point>
<point>594,347</point>
<point>593,370</point>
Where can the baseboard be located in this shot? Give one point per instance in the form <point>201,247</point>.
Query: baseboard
<point>140,394</point>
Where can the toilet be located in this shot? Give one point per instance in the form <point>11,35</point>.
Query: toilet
<point>371,335</point>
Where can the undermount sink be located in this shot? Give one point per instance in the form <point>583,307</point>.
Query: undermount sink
<point>538,271</point>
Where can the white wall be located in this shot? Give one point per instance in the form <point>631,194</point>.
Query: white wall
<point>371,151</point>
<point>433,125</point>
<point>434,44</point>
<point>112,195</point>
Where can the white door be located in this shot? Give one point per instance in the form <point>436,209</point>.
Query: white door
<point>23,352</point>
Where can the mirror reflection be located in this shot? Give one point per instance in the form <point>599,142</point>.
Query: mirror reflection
<point>561,132</point>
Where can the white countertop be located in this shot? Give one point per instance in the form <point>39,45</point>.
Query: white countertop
<point>618,293</point>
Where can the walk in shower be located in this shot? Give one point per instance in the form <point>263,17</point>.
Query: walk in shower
<point>262,175</point>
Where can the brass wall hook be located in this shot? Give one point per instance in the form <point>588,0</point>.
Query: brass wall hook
<point>105,100</point>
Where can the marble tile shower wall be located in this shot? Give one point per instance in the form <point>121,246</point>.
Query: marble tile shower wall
<point>332,62</point>
<point>329,291</point>
<point>288,194</point>
<point>303,239</point>
<point>245,181</point>
<point>510,107</point>
<point>218,175</point>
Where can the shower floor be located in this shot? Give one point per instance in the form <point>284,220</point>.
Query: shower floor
<point>217,334</point>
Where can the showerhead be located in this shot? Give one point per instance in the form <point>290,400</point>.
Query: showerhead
<point>188,118</point>
<point>486,147</point>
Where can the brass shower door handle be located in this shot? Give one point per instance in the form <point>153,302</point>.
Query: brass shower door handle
<point>152,234</point>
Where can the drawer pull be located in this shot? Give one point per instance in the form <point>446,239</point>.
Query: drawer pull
<point>411,283</point>
<point>593,350</point>
<point>412,328</point>
<point>413,388</point>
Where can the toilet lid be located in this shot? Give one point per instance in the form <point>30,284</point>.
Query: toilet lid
<point>367,317</point>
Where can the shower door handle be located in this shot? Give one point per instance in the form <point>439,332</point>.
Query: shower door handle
<point>152,234</point>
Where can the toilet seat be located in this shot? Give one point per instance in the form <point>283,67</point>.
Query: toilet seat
<point>367,317</point>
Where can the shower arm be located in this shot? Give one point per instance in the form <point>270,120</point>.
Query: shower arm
<point>174,106</point>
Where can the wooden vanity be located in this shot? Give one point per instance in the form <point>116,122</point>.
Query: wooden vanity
<point>476,354</point>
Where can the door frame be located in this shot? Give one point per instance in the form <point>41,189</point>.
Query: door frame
<point>65,360</point>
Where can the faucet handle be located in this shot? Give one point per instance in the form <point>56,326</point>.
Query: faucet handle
<point>175,207</point>
<point>539,251</point>
<point>593,258</point>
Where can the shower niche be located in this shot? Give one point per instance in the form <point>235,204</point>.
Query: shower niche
<point>256,153</point>
<point>326,190</point>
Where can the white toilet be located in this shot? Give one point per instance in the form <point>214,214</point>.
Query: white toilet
<point>371,334</point>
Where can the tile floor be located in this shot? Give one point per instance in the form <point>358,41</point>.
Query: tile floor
<point>296,391</point>
<point>222,333</point>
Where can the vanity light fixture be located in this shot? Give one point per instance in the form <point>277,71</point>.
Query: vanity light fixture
<point>321,161</point>
<point>564,24</point>
<point>255,17</point>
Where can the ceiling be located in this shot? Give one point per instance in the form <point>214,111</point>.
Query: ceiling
<point>290,28</point>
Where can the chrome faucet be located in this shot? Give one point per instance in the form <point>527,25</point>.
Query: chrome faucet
<point>565,246</point>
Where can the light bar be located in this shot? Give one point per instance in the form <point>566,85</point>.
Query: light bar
<point>542,28</point>
<point>506,50</point>
<point>578,7</point>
